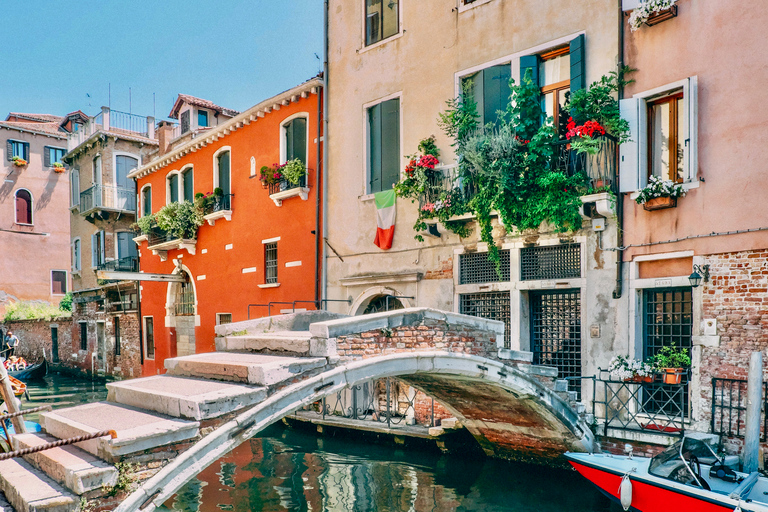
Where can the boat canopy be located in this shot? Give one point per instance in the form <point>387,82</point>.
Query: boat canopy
<point>681,461</point>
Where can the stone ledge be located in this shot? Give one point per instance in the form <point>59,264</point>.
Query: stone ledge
<point>516,355</point>
<point>299,321</point>
<point>706,341</point>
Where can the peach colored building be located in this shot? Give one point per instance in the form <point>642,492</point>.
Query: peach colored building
<point>34,228</point>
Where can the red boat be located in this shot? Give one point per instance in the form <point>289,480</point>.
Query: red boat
<point>687,476</point>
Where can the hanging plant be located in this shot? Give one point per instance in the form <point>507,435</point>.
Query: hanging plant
<point>643,12</point>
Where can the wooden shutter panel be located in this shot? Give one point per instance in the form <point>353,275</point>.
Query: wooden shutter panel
<point>629,153</point>
<point>299,127</point>
<point>496,92</point>
<point>578,72</point>
<point>374,130</point>
<point>530,63</point>
<point>46,156</point>
<point>94,248</point>
<point>9,149</point>
<point>102,252</point>
<point>390,143</point>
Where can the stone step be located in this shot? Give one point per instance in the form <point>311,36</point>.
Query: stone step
<point>29,490</point>
<point>291,342</point>
<point>259,369</point>
<point>137,430</point>
<point>70,466</point>
<point>183,397</point>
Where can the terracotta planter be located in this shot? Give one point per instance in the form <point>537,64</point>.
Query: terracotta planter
<point>658,17</point>
<point>660,203</point>
<point>638,378</point>
<point>673,375</point>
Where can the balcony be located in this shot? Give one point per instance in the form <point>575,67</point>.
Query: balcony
<point>284,189</point>
<point>220,207</point>
<point>160,242</point>
<point>127,264</point>
<point>108,198</point>
<point>602,168</point>
<point>113,121</point>
<point>447,180</point>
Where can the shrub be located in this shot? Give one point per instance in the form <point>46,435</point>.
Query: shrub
<point>66,302</point>
<point>180,219</point>
<point>33,310</point>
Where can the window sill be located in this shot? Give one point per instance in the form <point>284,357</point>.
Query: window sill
<point>270,285</point>
<point>23,224</point>
<point>279,197</point>
<point>221,214</point>
<point>380,43</point>
<point>476,3</point>
<point>73,208</point>
<point>688,185</point>
<point>366,197</point>
<point>140,238</point>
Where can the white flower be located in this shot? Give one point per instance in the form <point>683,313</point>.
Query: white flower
<point>643,11</point>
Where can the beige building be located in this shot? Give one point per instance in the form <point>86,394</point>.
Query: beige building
<point>392,67</point>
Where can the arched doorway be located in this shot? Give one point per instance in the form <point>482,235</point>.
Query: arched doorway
<point>379,299</point>
<point>382,303</point>
<point>182,308</point>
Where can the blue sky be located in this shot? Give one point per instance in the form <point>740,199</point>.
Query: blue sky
<point>232,52</point>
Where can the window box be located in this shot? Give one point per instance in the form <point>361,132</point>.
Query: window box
<point>159,242</point>
<point>658,17</point>
<point>660,203</point>
<point>294,191</point>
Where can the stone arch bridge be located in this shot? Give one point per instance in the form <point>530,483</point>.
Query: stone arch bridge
<point>266,369</point>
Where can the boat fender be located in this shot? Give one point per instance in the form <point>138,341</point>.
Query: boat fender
<point>625,492</point>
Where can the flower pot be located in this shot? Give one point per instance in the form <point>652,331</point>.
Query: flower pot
<point>660,203</point>
<point>673,375</point>
<point>640,378</point>
<point>658,17</point>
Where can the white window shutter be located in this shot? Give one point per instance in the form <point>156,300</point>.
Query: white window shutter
<point>628,5</point>
<point>690,137</point>
<point>629,165</point>
<point>94,249</point>
<point>102,252</point>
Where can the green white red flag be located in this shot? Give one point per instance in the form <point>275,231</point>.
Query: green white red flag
<point>385,218</point>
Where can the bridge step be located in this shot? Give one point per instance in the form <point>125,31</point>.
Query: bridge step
<point>137,430</point>
<point>292,342</point>
<point>260,369</point>
<point>70,466</point>
<point>28,490</point>
<point>182,397</point>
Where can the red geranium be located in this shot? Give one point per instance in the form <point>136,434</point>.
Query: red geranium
<point>588,129</point>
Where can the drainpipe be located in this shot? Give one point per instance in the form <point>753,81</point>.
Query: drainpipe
<point>620,199</point>
<point>318,171</point>
<point>324,285</point>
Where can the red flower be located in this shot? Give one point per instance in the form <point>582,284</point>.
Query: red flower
<point>428,161</point>
<point>588,129</point>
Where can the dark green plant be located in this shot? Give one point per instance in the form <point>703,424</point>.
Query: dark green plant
<point>218,191</point>
<point>672,357</point>
<point>599,103</point>
<point>66,302</point>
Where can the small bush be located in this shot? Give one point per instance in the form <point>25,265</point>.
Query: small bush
<point>34,310</point>
<point>66,302</point>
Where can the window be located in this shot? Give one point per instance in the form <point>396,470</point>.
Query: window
<point>83,336</point>
<point>76,255</point>
<point>491,305</point>
<point>270,262</point>
<point>173,188</point>
<point>149,337</point>
<point>665,138</point>
<point>202,119</point>
<point>490,89</point>
<point>146,201</point>
<point>475,267</point>
<point>221,178</point>
<point>223,318</point>
<point>382,20</point>
<point>384,145</point>
<point>74,181</point>
<point>184,121</point>
<point>550,262</point>
<point>58,282</point>
<point>97,249</point>
<point>17,148</point>
<point>23,207</point>
<point>54,344</point>
<point>184,303</point>
<point>52,155</point>
<point>187,185</point>
<point>97,170</point>
<point>126,253</point>
<point>116,329</point>
<point>295,133</point>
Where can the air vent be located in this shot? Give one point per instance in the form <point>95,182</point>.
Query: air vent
<point>474,267</point>
<point>550,262</point>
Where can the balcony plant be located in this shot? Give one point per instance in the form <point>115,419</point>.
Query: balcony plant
<point>672,362</point>
<point>270,175</point>
<point>293,171</point>
<point>648,9</point>
<point>180,219</point>
<point>19,162</point>
<point>58,167</point>
<point>631,370</point>
<point>659,194</point>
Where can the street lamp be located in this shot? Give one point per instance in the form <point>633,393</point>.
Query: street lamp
<point>699,272</point>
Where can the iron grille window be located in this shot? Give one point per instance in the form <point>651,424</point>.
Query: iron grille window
<point>223,318</point>
<point>550,262</point>
<point>474,267</point>
<point>729,408</point>
<point>667,321</point>
<point>185,299</point>
<point>149,336</point>
<point>83,336</point>
<point>490,305</point>
<point>556,333</point>
<point>270,266</point>
<point>116,326</point>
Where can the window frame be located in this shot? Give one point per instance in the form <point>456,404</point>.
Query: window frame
<point>268,247</point>
<point>31,208</point>
<point>77,255</point>
<point>142,210</point>
<point>201,112</point>
<point>364,32</point>
<point>169,188</point>
<point>49,155</point>
<point>218,152</point>
<point>189,170</point>
<point>83,327</point>
<point>25,149</point>
<point>367,192</point>
<point>554,88</point>
<point>65,282</point>
<point>144,336</point>
<point>218,318</point>
<point>283,135</point>
<point>116,333</point>
<point>465,5</point>
<point>673,174</point>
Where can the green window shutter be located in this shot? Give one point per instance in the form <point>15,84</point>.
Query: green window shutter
<point>578,73</point>
<point>374,130</point>
<point>47,157</point>
<point>189,193</point>
<point>224,172</point>
<point>390,143</point>
<point>496,91</point>
<point>530,63</point>
<point>146,202</point>
<point>26,151</point>
<point>299,130</point>
<point>9,149</point>
<point>289,141</point>
<point>173,184</point>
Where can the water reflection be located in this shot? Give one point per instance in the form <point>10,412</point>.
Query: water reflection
<point>61,390</point>
<point>287,470</point>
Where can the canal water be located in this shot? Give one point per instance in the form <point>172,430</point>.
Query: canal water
<point>288,470</point>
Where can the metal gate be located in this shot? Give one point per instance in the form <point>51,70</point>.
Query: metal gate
<point>556,333</point>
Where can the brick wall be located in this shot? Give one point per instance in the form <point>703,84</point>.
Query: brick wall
<point>444,269</point>
<point>35,337</point>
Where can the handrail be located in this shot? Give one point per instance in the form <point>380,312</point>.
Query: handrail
<point>318,304</point>
<point>25,411</point>
<point>56,444</point>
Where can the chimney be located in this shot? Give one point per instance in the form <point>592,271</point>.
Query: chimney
<point>164,135</point>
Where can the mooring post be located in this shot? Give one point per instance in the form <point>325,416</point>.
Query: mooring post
<point>754,403</point>
<point>6,391</point>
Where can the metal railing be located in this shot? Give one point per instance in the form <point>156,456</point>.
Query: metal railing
<point>108,196</point>
<point>284,185</point>
<point>387,401</point>
<point>127,264</point>
<point>157,236</point>
<point>651,407</point>
<point>317,303</point>
<point>601,168</point>
<point>442,181</point>
<point>729,408</point>
<point>126,122</point>
<point>219,203</point>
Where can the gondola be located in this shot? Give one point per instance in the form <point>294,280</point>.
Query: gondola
<point>32,372</point>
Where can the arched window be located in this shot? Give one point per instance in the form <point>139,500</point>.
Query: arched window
<point>221,175</point>
<point>187,185</point>
<point>97,170</point>
<point>23,207</point>
<point>146,201</point>
<point>294,143</point>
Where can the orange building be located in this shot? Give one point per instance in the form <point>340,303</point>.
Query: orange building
<point>258,243</point>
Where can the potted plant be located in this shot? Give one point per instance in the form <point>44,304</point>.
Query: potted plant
<point>672,362</point>
<point>659,194</point>
<point>293,171</point>
<point>58,167</point>
<point>630,370</point>
<point>19,162</point>
<point>652,12</point>
<point>270,175</point>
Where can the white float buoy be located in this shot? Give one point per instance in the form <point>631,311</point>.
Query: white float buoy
<point>625,492</point>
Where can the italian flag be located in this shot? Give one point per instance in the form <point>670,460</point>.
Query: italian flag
<point>385,218</point>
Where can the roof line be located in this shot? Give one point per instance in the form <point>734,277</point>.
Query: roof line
<point>36,132</point>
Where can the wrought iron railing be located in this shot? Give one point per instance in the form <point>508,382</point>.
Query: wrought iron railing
<point>127,264</point>
<point>442,181</point>
<point>220,203</point>
<point>124,121</point>
<point>651,407</point>
<point>729,408</point>
<point>109,197</point>
<point>284,184</point>
<point>601,168</point>
<point>157,236</point>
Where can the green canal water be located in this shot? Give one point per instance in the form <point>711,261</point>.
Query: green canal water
<point>287,470</point>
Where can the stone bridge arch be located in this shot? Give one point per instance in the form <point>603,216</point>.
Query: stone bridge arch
<point>512,413</point>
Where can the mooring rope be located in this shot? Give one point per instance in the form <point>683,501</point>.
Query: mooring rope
<point>55,444</point>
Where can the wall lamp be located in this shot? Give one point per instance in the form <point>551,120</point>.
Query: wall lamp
<point>699,272</point>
